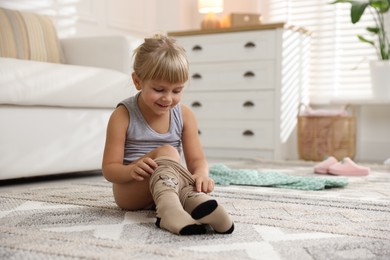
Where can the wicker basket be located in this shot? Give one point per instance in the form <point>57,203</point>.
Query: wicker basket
<point>322,136</point>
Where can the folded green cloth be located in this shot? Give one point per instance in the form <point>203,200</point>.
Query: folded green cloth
<point>223,175</point>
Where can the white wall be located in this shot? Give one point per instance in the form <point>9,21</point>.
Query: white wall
<point>373,133</point>
<point>129,17</point>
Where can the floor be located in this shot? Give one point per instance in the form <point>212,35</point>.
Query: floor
<point>288,243</point>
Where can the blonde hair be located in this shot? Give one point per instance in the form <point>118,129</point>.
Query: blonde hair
<point>161,58</point>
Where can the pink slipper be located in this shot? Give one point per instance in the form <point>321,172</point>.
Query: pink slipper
<point>322,167</point>
<point>349,168</point>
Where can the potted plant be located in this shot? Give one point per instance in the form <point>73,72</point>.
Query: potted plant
<point>380,69</point>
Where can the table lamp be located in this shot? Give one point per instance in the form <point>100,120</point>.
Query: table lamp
<point>210,8</point>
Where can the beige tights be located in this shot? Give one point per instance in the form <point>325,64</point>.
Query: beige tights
<point>180,209</point>
<point>164,186</point>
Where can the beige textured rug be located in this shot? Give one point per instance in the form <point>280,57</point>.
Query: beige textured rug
<point>79,219</point>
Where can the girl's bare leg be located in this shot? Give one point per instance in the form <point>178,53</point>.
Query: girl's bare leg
<point>133,196</point>
<point>136,195</point>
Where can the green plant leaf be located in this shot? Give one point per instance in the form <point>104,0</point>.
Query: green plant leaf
<point>375,30</point>
<point>357,10</point>
<point>381,5</point>
<point>361,38</point>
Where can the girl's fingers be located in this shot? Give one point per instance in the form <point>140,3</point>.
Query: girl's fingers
<point>210,186</point>
<point>151,163</point>
<point>137,175</point>
<point>148,165</point>
<point>198,186</point>
<point>139,178</point>
<point>144,173</point>
<point>207,186</point>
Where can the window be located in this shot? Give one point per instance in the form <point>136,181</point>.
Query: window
<point>339,61</point>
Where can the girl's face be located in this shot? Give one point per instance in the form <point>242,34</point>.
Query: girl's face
<point>160,96</point>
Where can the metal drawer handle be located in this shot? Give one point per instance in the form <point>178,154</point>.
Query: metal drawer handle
<point>196,76</point>
<point>249,74</point>
<point>197,48</point>
<point>248,133</point>
<point>196,104</point>
<point>250,45</point>
<point>249,104</point>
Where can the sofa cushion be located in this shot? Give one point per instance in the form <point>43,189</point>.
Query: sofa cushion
<point>25,35</point>
<point>25,82</point>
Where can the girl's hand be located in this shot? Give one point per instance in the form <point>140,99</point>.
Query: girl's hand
<point>143,168</point>
<point>203,183</point>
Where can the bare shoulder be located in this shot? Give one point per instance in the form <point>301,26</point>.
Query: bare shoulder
<point>187,113</point>
<point>120,117</point>
<point>190,123</point>
<point>121,111</point>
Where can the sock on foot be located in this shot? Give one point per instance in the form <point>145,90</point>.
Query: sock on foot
<point>194,229</point>
<point>206,210</point>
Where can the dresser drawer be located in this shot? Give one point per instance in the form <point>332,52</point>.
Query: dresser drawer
<point>236,134</point>
<point>231,105</point>
<point>234,75</point>
<point>230,47</point>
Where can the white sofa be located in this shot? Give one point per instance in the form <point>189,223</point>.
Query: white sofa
<point>53,116</point>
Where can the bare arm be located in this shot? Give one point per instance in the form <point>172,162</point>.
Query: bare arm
<point>113,168</point>
<point>193,152</point>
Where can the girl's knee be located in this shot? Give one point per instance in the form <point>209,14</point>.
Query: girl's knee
<point>168,151</point>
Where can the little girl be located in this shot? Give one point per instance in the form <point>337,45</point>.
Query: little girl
<point>146,135</point>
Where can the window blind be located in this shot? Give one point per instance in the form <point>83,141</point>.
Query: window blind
<point>339,65</point>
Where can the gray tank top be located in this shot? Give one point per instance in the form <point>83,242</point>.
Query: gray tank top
<point>141,138</point>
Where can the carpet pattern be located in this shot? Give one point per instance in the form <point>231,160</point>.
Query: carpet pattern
<point>79,219</point>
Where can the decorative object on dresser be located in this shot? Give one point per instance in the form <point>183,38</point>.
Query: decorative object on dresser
<point>245,87</point>
<point>210,8</point>
<point>240,20</point>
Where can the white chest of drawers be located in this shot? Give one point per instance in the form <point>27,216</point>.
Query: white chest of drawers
<point>245,87</point>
